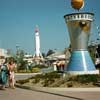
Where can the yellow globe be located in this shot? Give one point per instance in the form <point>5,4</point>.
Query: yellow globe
<point>77,4</point>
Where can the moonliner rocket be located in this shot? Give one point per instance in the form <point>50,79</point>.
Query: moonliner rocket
<point>37,43</point>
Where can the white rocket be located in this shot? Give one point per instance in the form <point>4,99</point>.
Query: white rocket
<point>37,42</point>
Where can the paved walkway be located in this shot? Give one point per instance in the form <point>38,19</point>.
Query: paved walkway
<point>36,93</point>
<point>24,94</point>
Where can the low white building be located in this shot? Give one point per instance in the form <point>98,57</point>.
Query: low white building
<point>3,54</point>
<point>28,58</point>
<point>59,59</point>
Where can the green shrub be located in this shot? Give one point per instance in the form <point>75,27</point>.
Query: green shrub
<point>40,66</point>
<point>22,81</point>
<point>35,70</point>
<point>21,71</point>
<point>47,82</point>
<point>52,75</point>
<point>69,84</point>
<point>39,76</point>
<point>84,78</point>
<point>87,78</point>
<point>36,80</point>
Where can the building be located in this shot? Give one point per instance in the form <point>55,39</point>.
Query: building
<point>3,54</point>
<point>59,59</point>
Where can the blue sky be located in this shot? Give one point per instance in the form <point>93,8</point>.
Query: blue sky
<point>18,19</point>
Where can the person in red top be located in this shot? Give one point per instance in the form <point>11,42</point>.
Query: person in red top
<point>11,78</point>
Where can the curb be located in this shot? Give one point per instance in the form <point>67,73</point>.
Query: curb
<point>55,90</point>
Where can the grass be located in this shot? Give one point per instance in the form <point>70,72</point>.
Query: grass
<point>54,79</point>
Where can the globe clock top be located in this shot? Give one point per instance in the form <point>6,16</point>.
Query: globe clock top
<point>77,4</point>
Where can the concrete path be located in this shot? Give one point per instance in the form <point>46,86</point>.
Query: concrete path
<point>24,94</point>
<point>49,93</point>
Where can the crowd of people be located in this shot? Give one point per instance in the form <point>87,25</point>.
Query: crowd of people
<point>7,73</point>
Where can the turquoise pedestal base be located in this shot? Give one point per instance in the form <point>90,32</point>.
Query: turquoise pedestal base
<point>81,63</point>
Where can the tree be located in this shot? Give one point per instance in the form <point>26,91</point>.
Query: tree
<point>98,50</point>
<point>21,64</point>
<point>92,51</point>
<point>43,54</point>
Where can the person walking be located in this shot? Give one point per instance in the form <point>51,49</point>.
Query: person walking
<point>11,78</point>
<point>3,74</point>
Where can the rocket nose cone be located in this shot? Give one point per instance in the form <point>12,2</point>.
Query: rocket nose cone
<point>36,31</point>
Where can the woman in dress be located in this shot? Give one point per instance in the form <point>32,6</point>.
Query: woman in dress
<point>11,78</point>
